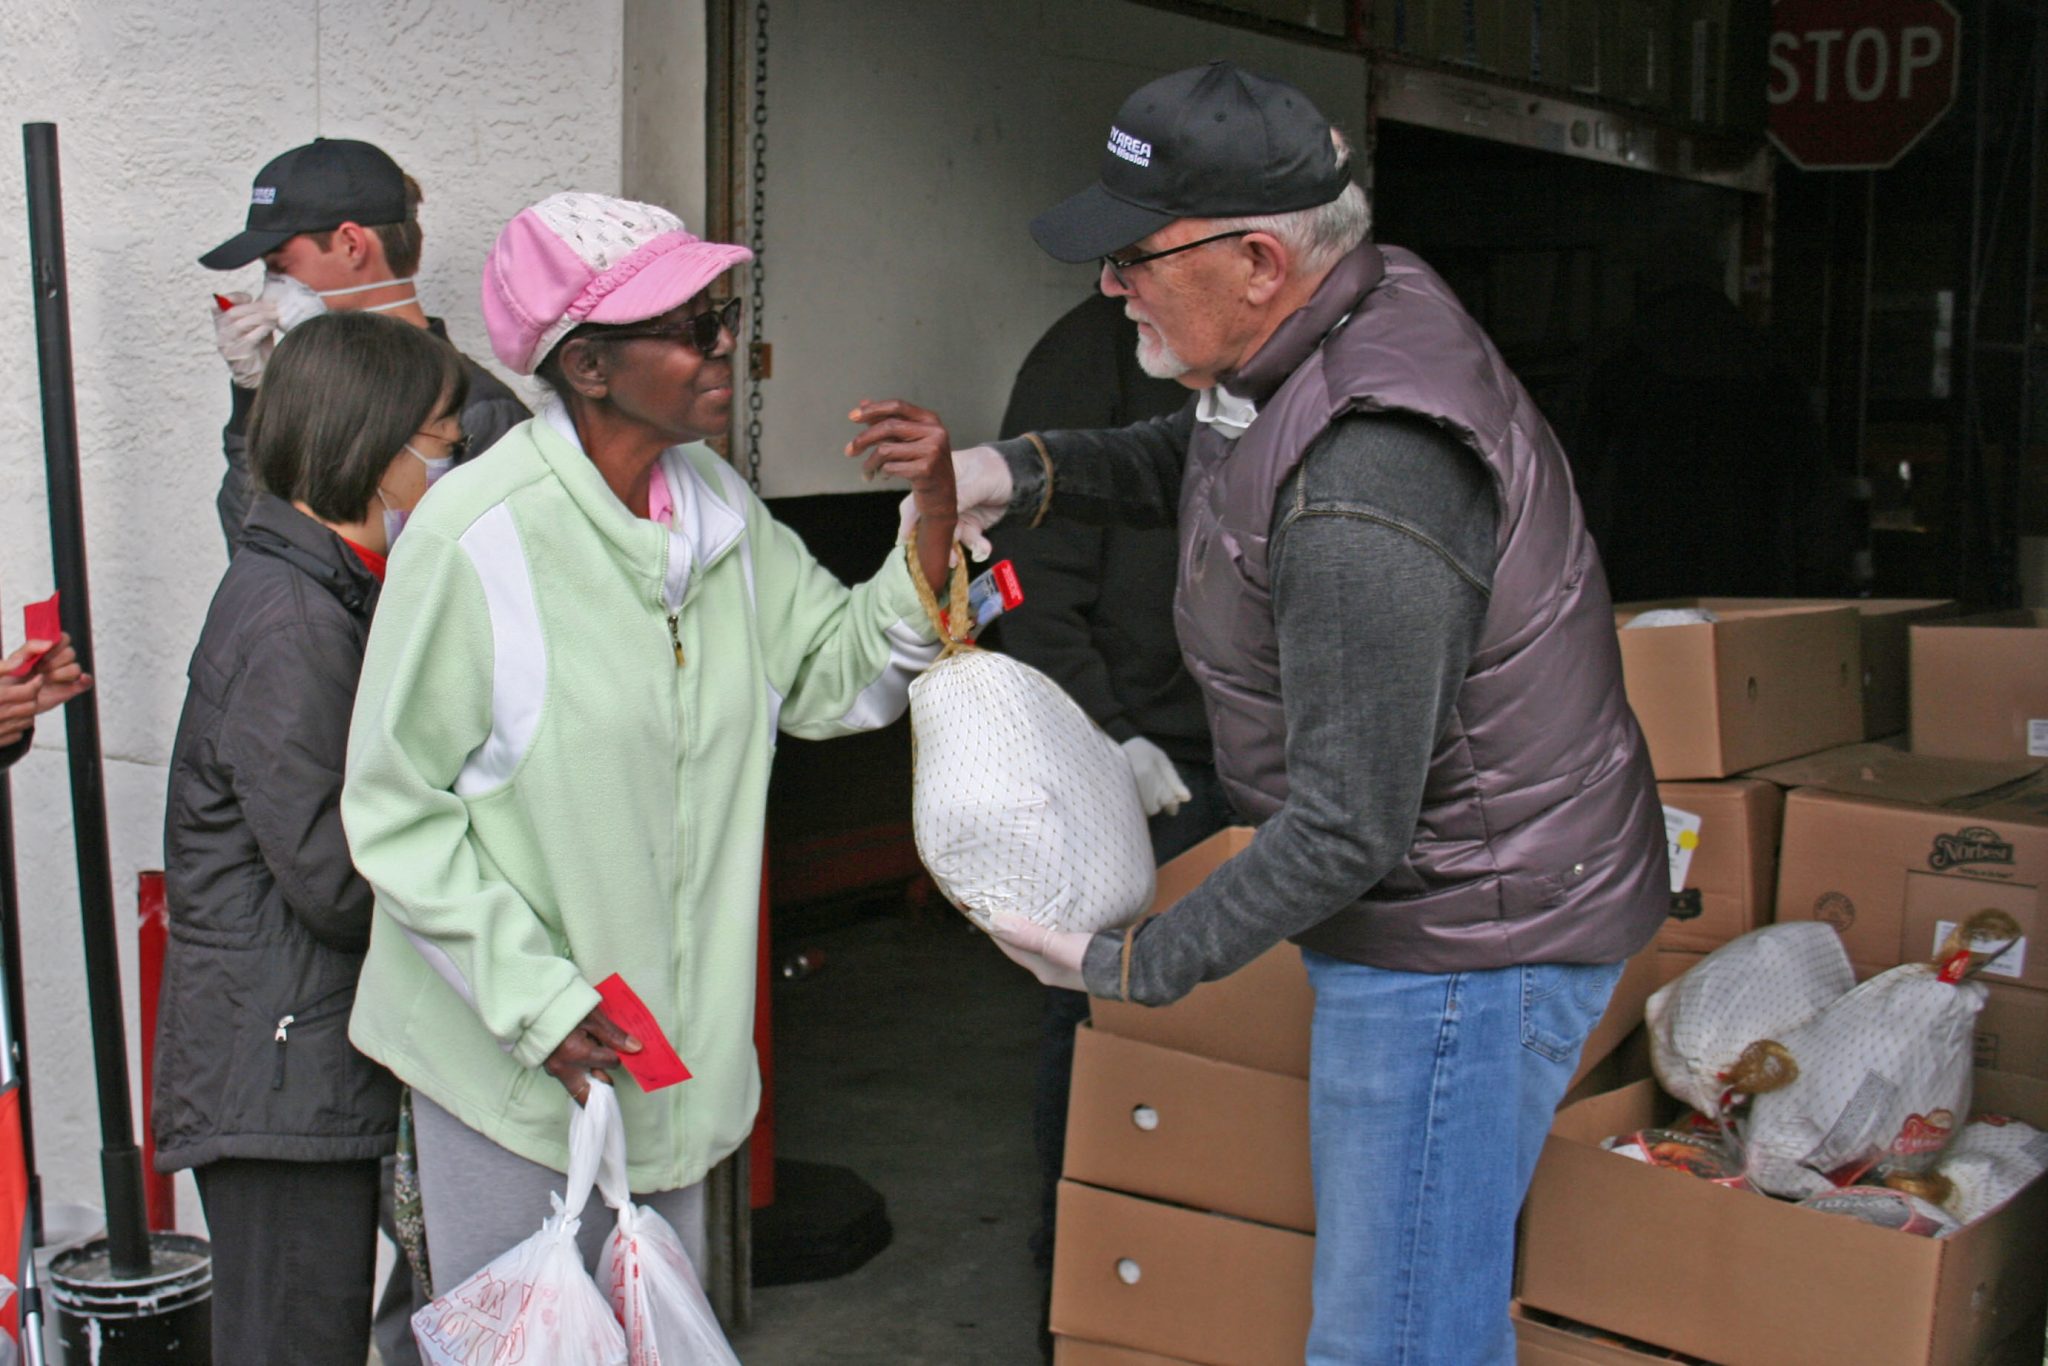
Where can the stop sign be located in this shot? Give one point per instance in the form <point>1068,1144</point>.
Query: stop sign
<point>1855,83</point>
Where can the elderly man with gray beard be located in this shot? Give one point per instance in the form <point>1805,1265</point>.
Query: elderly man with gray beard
<point>1406,650</point>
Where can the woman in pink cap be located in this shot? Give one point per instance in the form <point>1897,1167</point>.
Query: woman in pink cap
<point>558,767</point>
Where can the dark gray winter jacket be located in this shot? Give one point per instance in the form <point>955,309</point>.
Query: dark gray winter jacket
<point>268,919</point>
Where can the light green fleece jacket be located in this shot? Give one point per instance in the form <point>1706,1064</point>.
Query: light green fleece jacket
<point>558,769</point>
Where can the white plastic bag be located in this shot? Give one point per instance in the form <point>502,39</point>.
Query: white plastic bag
<point>1752,988</point>
<point>653,1288</point>
<point>1991,1160</point>
<point>536,1303</point>
<point>1020,803</point>
<point>1883,1075</point>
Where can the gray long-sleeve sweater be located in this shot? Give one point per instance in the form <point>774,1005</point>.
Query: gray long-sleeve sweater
<point>1382,555</point>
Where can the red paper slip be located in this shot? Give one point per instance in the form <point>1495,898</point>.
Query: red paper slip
<point>39,621</point>
<point>656,1064</point>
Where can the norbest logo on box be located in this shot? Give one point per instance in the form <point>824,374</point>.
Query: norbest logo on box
<point>1973,845</point>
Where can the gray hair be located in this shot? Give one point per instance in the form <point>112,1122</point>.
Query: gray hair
<point>1315,237</point>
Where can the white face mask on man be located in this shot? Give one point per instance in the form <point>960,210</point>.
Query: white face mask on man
<point>297,301</point>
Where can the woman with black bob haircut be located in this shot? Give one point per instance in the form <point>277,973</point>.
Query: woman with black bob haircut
<point>257,1087</point>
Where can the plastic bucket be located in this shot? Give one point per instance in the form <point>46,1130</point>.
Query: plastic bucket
<point>163,1318</point>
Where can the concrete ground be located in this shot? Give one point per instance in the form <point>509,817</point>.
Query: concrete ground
<point>908,1057</point>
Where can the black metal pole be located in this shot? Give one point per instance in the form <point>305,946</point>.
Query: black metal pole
<point>120,1159</point>
<point>17,1008</point>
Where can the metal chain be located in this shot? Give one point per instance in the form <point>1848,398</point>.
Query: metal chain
<point>757,241</point>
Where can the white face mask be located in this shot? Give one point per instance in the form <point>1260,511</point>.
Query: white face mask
<point>297,301</point>
<point>394,517</point>
<point>436,465</point>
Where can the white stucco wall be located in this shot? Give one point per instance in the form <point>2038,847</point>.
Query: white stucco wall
<point>166,108</point>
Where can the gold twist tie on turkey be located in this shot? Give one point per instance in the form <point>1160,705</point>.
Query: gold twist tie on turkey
<point>955,622</point>
<point>1764,1066</point>
<point>1989,926</point>
<point>1932,1187</point>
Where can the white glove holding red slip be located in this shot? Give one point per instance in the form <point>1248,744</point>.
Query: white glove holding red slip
<point>1159,783</point>
<point>1052,956</point>
<point>245,335</point>
<point>981,484</point>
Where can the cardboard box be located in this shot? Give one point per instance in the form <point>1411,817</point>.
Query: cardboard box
<point>1885,874</point>
<point>1745,1280</point>
<point>2012,1031</point>
<point>1980,686</point>
<point>1077,1352</point>
<point>1259,1016</point>
<point>1759,685</point>
<point>1886,631</point>
<point>1197,1132</point>
<point>1155,1278</point>
<point>1673,964</point>
<point>1724,860</point>
<point>1884,772</point>
<point>1544,1344</point>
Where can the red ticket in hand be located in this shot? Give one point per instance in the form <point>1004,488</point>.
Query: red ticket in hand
<point>40,621</point>
<point>656,1064</point>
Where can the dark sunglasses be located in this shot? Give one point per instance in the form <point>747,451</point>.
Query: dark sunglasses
<point>699,331</point>
<point>1119,264</point>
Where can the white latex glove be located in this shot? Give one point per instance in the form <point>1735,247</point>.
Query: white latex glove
<point>245,335</point>
<point>1159,784</point>
<point>981,483</point>
<point>1052,956</point>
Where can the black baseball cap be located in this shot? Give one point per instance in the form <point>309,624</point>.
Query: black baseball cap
<point>328,182</point>
<point>1213,141</point>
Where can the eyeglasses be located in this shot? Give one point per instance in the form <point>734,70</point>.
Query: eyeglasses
<point>699,331</point>
<point>1119,264</point>
<point>458,449</point>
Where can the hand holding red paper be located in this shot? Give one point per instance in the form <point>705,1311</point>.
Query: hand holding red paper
<point>18,708</point>
<point>656,1064</point>
<point>593,1046</point>
<point>63,676</point>
<point>41,626</point>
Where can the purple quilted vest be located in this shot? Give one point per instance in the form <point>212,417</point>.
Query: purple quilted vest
<point>1540,837</point>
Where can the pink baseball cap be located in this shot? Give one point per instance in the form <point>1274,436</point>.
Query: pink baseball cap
<point>580,258</point>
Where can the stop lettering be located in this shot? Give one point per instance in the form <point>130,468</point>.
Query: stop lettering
<point>1855,83</point>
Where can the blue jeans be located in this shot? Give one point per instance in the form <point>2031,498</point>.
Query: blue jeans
<point>1429,1098</point>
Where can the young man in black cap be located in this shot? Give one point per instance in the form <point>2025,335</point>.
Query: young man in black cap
<point>336,224</point>
<point>1406,650</point>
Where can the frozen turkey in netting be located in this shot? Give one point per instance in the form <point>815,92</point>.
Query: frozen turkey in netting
<point>1019,802</point>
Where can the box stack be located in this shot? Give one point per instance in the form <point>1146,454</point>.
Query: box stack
<point>1186,1212</point>
<point>1891,848</point>
<point>1187,1217</point>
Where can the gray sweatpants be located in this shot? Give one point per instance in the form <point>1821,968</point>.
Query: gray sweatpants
<point>479,1199</point>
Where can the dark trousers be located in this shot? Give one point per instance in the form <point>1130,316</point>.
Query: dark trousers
<point>294,1260</point>
<point>1207,812</point>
